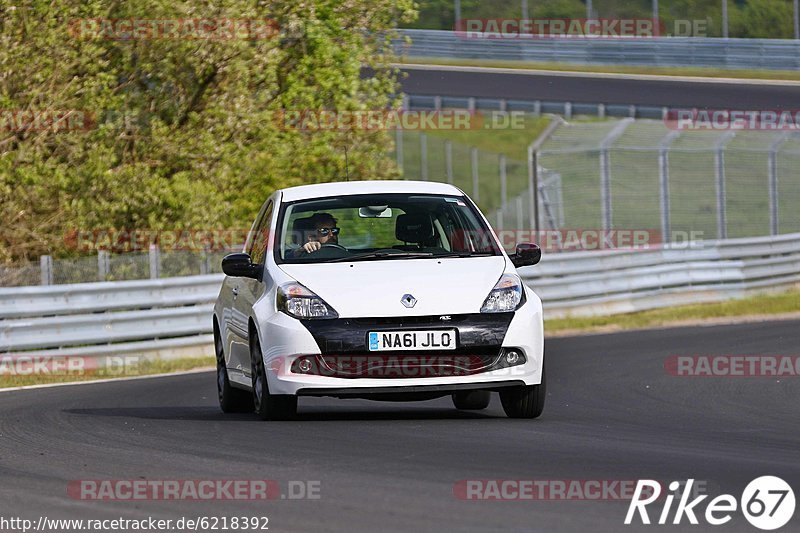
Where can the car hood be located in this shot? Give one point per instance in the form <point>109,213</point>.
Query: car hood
<point>445,286</point>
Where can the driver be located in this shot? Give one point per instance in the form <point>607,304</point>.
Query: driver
<point>324,232</point>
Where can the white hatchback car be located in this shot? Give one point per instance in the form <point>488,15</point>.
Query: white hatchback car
<point>387,290</point>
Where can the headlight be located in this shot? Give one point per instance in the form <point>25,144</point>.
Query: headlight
<point>505,296</point>
<point>299,302</point>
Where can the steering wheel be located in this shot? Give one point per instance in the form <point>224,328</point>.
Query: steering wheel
<point>337,246</point>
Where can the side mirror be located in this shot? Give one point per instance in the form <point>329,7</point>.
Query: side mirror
<point>240,265</point>
<point>527,254</point>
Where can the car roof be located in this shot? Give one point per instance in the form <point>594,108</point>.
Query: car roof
<point>322,190</point>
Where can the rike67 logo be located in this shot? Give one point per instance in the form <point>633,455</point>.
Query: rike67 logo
<point>767,503</point>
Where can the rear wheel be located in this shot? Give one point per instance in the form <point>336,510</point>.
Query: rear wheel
<point>472,400</point>
<point>268,406</point>
<point>231,400</point>
<point>526,401</point>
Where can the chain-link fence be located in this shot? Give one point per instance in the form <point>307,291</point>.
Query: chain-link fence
<point>642,174</point>
<point>626,175</point>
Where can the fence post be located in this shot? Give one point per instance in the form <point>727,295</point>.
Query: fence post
<point>155,262</point>
<point>398,148</point>
<point>533,188</point>
<point>605,189</point>
<point>448,160</point>
<point>719,168</point>
<point>503,191</point>
<point>605,171</point>
<point>46,269</point>
<point>663,184</point>
<point>772,166</point>
<point>423,156</point>
<point>205,262</point>
<point>102,265</point>
<point>476,194</point>
<point>533,172</point>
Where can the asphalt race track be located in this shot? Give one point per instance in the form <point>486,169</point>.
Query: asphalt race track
<point>598,88</point>
<point>613,413</point>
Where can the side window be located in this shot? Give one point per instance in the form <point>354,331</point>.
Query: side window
<point>260,239</point>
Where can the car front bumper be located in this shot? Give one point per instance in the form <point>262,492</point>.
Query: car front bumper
<point>285,339</point>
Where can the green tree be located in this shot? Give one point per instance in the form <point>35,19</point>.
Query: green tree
<point>188,131</point>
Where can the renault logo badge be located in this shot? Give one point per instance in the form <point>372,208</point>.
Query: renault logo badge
<point>408,300</point>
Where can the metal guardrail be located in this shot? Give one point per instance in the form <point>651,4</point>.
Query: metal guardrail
<point>174,315</point>
<point>596,283</point>
<point>779,54</point>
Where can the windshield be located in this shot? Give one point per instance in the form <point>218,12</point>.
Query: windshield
<point>375,227</point>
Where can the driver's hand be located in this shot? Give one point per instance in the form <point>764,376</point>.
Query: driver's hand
<point>312,246</point>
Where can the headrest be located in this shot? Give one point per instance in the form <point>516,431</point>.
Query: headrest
<point>300,227</point>
<point>413,227</point>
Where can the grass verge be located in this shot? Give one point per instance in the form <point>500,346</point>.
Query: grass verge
<point>143,368</point>
<point>765,305</point>
<point>749,74</point>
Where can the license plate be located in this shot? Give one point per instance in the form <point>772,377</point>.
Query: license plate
<point>412,340</point>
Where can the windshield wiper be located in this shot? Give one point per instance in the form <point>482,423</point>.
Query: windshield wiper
<point>381,255</point>
<point>466,254</point>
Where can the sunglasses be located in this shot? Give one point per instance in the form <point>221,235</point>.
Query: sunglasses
<point>325,231</point>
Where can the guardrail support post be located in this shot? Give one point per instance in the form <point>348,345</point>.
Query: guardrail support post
<point>476,195</point>
<point>46,268</point>
<point>102,265</point>
<point>568,110</point>
<point>437,103</point>
<point>155,262</point>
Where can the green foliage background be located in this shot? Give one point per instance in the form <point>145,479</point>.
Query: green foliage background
<point>186,134</point>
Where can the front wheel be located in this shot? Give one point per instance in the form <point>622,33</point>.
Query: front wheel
<point>268,406</point>
<point>526,401</point>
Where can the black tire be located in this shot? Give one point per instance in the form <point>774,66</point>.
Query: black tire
<point>268,406</point>
<point>526,401</point>
<point>472,400</point>
<point>231,400</point>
